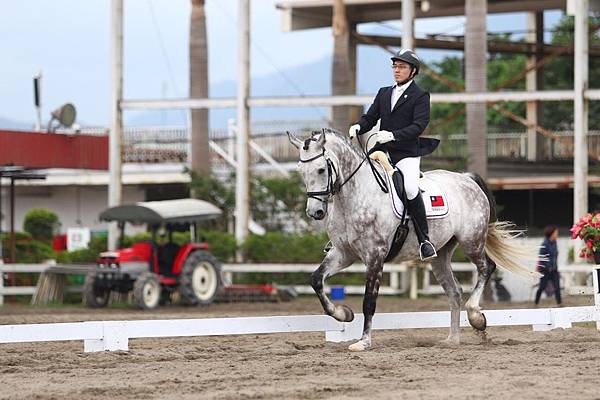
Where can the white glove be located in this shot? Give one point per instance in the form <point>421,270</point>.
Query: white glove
<point>353,131</point>
<point>385,136</point>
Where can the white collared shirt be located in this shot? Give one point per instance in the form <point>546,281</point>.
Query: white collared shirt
<point>398,91</point>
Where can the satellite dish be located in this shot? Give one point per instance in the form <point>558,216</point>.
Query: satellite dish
<point>65,115</point>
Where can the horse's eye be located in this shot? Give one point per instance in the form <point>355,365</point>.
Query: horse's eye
<point>321,170</point>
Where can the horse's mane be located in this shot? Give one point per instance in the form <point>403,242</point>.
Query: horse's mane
<point>341,138</point>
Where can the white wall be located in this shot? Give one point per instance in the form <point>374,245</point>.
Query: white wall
<point>521,289</point>
<point>76,206</point>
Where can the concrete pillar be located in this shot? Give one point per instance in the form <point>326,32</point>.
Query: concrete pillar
<point>408,24</point>
<point>580,164</point>
<point>476,81</point>
<point>533,82</point>
<point>116,123</point>
<point>242,181</point>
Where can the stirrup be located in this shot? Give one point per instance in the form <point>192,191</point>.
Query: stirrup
<point>427,242</point>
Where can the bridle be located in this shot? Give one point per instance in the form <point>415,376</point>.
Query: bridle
<point>333,186</point>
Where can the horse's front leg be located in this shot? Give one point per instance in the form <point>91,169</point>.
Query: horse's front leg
<point>335,261</point>
<point>374,275</point>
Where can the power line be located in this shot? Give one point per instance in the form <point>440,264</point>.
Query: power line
<point>271,61</point>
<point>165,55</point>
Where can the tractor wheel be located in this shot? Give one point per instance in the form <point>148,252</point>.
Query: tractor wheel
<point>200,279</point>
<point>93,295</point>
<point>146,291</point>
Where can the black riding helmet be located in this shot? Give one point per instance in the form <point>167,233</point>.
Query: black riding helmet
<point>409,57</point>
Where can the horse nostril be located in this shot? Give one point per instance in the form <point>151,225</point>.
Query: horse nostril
<point>320,213</point>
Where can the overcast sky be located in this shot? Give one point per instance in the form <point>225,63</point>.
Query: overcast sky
<point>68,41</point>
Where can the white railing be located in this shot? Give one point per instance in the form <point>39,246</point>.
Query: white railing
<point>171,144</point>
<point>115,335</point>
<point>228,269</point>
<point>575,279</point>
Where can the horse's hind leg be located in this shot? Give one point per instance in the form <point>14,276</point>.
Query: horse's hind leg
<point>442,270</point>
<point>335,261</point>
<point>485,268</point>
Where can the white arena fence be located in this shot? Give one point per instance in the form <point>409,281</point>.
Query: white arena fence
<point>115,335</point>
<point>575,279</point>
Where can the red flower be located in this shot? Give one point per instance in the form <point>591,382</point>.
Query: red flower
<point>587,229</point>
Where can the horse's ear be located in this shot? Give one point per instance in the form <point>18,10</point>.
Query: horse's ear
<point>321,140</point>
<point>294,140</point>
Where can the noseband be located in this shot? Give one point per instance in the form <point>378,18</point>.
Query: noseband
<point>332,187</point>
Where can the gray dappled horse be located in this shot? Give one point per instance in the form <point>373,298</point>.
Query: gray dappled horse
<point>361,226</point>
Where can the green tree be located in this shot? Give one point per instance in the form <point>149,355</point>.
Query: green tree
<point>273,200</point>
<point>558,75</point>
<point>219,192</point>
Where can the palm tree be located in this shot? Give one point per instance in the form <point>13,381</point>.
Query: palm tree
<point>199,87</point>
<point>343,78</point>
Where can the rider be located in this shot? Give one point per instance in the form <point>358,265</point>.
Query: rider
<point>404,112</point>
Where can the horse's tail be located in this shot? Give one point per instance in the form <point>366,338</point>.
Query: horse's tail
<point>500,243</point>
<point>509,254</point>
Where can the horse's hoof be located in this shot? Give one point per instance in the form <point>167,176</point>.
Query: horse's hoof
<point>343,314</point>
<point>451,341</point>
<point>483,337</point>
<point>477,320</point>
<point>361,345</point>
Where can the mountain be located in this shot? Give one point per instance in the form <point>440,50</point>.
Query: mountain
<point>312,79</point>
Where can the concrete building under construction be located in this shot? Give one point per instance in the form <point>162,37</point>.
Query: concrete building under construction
<point>534,186</point>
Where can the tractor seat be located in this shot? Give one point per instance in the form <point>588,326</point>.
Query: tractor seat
<point>166,257</point>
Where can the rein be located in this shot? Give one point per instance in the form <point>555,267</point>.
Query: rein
<point>332,186</point>
<point>378,178</point>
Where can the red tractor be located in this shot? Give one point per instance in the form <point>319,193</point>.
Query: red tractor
<point>154,271</point>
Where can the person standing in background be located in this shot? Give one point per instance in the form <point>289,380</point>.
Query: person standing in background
<point>549,268</point>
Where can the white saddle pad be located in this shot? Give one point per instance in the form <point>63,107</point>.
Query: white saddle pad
<point>436,204</point>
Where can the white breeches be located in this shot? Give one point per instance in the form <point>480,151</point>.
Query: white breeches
<point>410,168</point>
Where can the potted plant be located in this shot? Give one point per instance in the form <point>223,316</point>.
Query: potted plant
<point>588,229</point>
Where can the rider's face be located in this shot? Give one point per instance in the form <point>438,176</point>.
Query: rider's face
<point>401,70</point>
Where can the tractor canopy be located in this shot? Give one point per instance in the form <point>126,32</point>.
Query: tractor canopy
<point>167,212</point>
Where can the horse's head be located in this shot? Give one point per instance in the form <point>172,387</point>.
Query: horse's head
<point>318,172</point>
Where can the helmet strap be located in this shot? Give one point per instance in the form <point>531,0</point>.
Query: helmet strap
<point>413,73</point>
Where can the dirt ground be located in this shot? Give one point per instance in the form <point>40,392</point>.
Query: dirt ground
<point>410,364</point>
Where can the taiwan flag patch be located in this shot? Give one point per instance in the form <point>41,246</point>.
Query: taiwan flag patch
<point>436,201</point>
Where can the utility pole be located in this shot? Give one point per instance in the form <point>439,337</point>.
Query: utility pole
<point>37,100</point>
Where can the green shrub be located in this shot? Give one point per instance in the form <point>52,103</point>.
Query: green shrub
<point>27,249</point>
<point>33,251</point>
<point>41,224</point>
<point>280,247</point>
<point>97,245</point>
<point>459,255</point>
<point>220,244</point>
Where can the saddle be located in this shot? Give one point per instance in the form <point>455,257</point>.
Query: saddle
<point>436,204</point>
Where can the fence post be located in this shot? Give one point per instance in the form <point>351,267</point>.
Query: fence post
<point>1,282</point>
<point>596,280</point>
<point>394,281</point>
<point>114,337</point>
<point>414,283</point>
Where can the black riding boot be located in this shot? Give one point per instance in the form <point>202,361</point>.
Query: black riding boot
<point>416,208</point>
